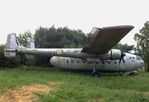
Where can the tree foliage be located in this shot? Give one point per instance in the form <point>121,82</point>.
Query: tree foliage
<point>3,59</point>
<point>124,47</point>
<point>59,38</point>
<point>22,39</point>
<point>8,62</point>
<point>142,39</point>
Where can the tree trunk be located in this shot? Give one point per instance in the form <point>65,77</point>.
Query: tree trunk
<point>146,65</point>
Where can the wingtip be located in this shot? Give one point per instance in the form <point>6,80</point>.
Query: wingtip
<point>119,26</point>
<point>129,27</point>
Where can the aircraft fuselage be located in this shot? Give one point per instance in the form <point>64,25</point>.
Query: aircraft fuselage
<point>131,63</point>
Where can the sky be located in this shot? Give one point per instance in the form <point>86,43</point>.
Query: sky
<point>18,16</point>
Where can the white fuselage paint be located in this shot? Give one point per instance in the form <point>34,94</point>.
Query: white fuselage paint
<point>132,62</point>
<point>75,59</point>
<point>68,52</point>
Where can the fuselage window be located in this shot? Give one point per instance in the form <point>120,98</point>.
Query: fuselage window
<point>129,57</point>
<point>96,62</point>
<point>89,62</point>
<point>103,62</point>
<point>115,62</point>
<point>77,61</point>
<point>109,62</point>
<point>71,61</point>
<point>83,61</point>
<point>138,58</point>
<point>67,61</point>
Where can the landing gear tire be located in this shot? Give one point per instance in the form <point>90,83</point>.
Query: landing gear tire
<point>94,74</point>
<point>133,73</point>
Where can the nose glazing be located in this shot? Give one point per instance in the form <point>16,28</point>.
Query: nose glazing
<point>142,63</point>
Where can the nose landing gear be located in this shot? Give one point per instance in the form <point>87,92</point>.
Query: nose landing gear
<point>95,73</point>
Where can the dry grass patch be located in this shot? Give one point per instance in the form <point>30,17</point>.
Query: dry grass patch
<point>139,92</point>
<point>145,93</point>
<point>26,93</point>
<point>96,100</point>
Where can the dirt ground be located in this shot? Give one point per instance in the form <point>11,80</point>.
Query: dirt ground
<point>27,93</point>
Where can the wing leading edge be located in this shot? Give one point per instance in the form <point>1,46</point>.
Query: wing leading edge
<point>103,39</point>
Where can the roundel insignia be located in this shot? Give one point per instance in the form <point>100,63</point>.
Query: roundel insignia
<point>59,52</point>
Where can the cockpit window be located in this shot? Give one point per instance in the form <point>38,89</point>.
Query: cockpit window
<point>138,58</point>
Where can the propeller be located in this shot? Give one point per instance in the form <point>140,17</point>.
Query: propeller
<point>122,57</point>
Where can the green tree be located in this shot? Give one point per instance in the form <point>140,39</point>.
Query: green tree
<point>2,57</point>
<point>22,39</point>
<point>142,39</point>
<point>7,62</point>
<point>124,47</point>
<point>59,38</point>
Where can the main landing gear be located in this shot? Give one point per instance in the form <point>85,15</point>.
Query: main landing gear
<point>132,73</point>
<point>95,73</point>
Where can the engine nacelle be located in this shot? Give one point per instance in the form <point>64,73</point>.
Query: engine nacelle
<point>113,54</point>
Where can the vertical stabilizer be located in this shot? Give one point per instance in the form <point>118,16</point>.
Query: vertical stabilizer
<point>31,43</point>
<point>11,45</point>
<point>11,41</point>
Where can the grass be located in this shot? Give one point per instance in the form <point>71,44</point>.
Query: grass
<point>78,87</point>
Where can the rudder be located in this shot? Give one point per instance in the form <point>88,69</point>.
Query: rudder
<point>11,46</point>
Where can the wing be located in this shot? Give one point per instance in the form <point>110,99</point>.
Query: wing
<point>103,39</point>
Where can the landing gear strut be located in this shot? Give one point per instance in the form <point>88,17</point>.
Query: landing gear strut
<point>94,73</point>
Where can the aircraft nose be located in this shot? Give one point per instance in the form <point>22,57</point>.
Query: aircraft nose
<point>142,63</point>
<point>53,61</point>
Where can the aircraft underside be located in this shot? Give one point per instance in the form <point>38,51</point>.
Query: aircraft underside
<point>91,63</point>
